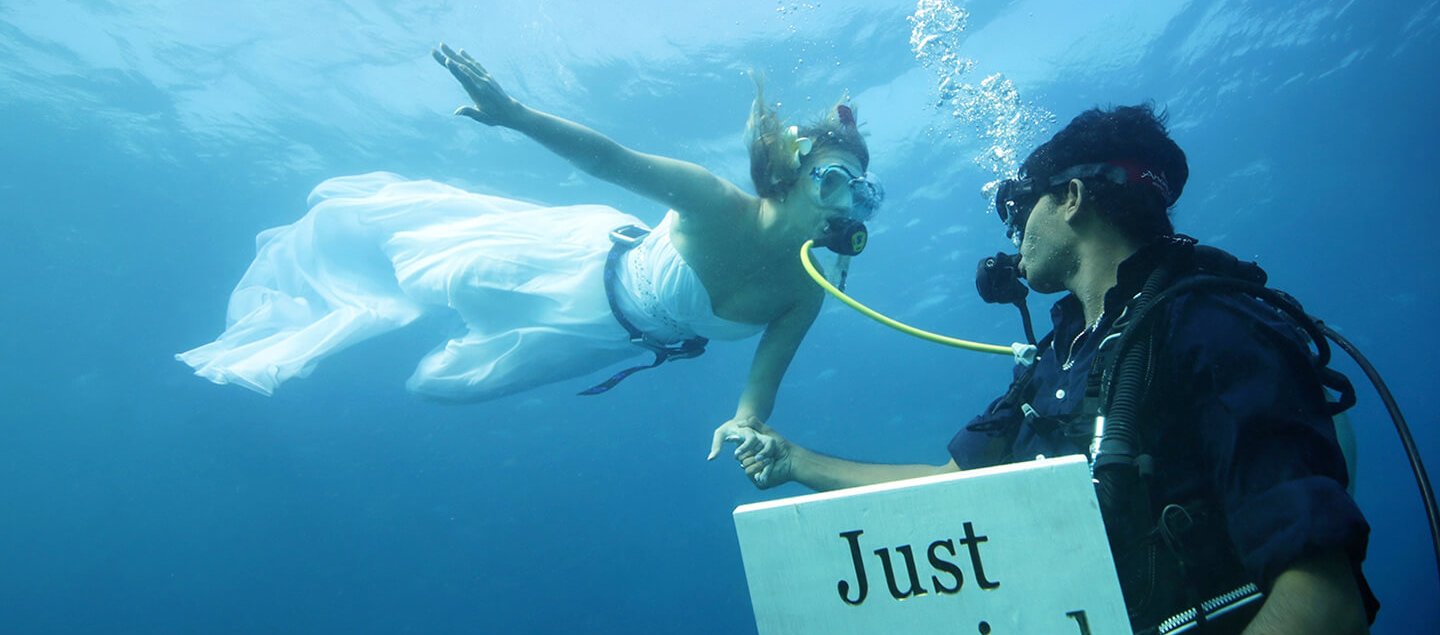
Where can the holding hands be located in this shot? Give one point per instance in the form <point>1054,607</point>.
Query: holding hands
<point>762,453</point>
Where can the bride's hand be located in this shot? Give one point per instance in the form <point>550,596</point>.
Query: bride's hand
<point>493,106</point>
<point>761,452</point>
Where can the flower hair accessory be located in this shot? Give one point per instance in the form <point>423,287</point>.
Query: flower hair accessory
<point>798,146</point>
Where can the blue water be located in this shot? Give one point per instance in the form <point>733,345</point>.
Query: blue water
<point>143,145</point>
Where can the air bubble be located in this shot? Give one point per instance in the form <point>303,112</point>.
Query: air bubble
<point>991,108</point>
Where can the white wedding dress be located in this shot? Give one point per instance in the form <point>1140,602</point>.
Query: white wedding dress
<point>376,252</point>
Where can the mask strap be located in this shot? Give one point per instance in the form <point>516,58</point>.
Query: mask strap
<point>1137,173</point>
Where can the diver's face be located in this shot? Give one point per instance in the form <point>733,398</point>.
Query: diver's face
<point>1046,249</point>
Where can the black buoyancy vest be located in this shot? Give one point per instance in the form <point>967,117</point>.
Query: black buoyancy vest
<point>1178,570</point>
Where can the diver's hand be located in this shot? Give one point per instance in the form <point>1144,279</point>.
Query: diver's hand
<point>769,464</point>
<point>493,106</point>
<point>762,453</point>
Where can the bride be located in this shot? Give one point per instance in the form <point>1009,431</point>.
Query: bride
<point>552,293</point>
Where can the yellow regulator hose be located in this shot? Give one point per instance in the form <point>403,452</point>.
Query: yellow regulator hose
<point>1023,353</point>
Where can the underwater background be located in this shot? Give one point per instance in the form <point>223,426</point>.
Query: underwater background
<point>143,144</point>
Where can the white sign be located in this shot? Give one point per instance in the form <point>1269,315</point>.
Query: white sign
<point>1012,550</point>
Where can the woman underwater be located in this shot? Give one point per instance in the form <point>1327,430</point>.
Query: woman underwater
<point>532,283</point>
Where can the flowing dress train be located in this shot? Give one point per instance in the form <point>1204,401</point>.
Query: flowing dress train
<point>377,251</point>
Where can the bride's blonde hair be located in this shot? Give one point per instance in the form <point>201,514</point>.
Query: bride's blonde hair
<point>777,150</point>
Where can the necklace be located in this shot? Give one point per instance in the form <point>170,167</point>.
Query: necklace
<point>1070,354</point>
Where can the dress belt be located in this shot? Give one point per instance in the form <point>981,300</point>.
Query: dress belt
<point>624,239</point>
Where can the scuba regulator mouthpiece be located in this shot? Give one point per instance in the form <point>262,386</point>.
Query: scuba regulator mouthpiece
<point>845,236</point>
<point>997,278</point>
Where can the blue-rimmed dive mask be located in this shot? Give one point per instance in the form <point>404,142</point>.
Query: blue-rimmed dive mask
<point>856,197</point>
<point>838,188</point>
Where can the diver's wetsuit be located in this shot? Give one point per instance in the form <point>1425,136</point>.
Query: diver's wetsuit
<point>1235,417</point>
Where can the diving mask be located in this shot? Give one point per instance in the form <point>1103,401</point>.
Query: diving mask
<point>839,188</point>
<point>1015,198</point>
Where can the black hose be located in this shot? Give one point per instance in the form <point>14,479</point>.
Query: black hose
<point>1427,495</point>
<point>1121,404</point>
<point>1272,297</point>
<point>1025,319</point>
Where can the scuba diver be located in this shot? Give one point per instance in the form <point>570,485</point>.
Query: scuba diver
<point>1201,397</point>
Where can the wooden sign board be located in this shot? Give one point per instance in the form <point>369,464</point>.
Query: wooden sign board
<point>1014,549</point>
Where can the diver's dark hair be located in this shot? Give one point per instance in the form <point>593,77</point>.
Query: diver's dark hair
<point>1132,134</point>
<point>774,161</point>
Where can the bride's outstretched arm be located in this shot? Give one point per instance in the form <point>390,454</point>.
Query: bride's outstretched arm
<point>773,355</point>
<point>681,185</point>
